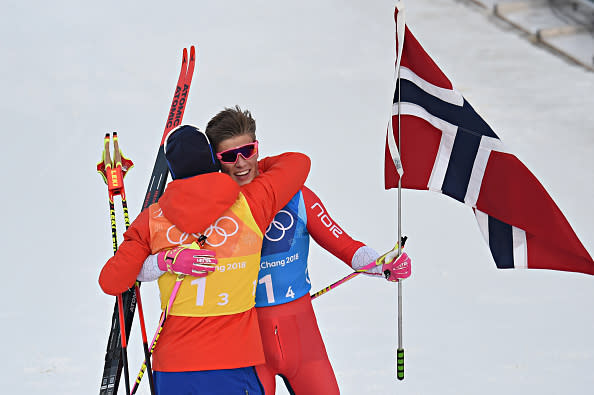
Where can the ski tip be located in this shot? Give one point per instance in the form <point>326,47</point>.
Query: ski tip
<point>107,135</point>
<point>192,52</point>
<point>115,135</point>
<point>185,56</point>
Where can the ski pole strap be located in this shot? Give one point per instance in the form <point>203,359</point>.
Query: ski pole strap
<point>388,256</point>
<point>114,170</point>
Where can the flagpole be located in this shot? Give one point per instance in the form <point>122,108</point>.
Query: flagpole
<point>400,29</point>
<point>400,350</point>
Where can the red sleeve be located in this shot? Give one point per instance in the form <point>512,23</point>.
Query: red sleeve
<point>272,189</point>
<point>325,231</point>
<point>121,270</point>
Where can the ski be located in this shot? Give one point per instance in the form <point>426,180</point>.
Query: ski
<point>113,361</point>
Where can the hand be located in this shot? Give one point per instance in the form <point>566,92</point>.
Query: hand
<point>395,267</point>
<point>190,261</point>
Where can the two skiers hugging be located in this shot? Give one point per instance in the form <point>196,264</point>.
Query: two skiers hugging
<point>241,312</point>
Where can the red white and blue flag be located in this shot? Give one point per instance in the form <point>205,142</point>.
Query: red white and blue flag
<point>446,147</point>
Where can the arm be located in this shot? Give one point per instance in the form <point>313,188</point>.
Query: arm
<point>326,232</point>
<point>270,191</point>
<point>150,270</point>
<point>357,255</point>
<point>354,253</point>
<point>120,271</point>
<point>189,260</point>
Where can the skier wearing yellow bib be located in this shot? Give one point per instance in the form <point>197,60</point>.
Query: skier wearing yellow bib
<point>211,340</point>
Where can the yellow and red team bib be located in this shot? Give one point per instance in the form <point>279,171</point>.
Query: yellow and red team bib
<point>231,288</point>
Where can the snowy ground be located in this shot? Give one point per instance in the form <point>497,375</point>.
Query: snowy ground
<point>566,27</point>
<point>318,77</point>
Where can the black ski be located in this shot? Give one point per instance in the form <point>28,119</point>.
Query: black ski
<point>113,361</point>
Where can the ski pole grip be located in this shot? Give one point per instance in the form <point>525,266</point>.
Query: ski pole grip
<point>400,363</point>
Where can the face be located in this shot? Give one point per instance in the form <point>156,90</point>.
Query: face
<point>243,171</point>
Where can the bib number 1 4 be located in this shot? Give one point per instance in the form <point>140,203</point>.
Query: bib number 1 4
<point>267,281</point>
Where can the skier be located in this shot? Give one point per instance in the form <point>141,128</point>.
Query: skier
<point>292,342</point>
<point>211,341</point>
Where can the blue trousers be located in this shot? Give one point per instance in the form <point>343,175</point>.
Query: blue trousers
<point>240,381</point>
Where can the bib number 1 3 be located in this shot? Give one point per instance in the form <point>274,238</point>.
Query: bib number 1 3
<point>201,291</point>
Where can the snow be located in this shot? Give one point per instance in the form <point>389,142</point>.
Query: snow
<point>318,78</point>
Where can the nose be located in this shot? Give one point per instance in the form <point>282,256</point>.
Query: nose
<point>240,160</point>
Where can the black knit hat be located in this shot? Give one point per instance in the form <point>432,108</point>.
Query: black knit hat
<point>188,153</point>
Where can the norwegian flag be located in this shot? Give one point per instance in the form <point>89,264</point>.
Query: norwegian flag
<point>448,148</point>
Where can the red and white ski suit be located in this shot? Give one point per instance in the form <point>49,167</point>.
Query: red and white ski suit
<point>292,342</point>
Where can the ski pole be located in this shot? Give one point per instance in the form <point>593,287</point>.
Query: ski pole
<point>164,316</point>
<point>341,281</point>
<point>147,355</point>
<point>349,276</point>
<point>123,337</point>
<point>118,163</point>
<point>114,173</point>
<point>114,179</point>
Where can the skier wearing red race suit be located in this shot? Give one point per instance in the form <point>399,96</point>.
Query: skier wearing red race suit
<point>292,341</point>
<point>213,327</point>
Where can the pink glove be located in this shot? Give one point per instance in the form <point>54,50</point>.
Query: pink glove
<point>397,267</point>
<point>187,260</point>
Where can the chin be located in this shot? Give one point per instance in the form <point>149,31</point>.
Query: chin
<point>242,182</point>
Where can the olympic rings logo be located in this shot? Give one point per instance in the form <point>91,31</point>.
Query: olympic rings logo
<point>181,238</point>
<point>219,230</point>
<point>279,226</point>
